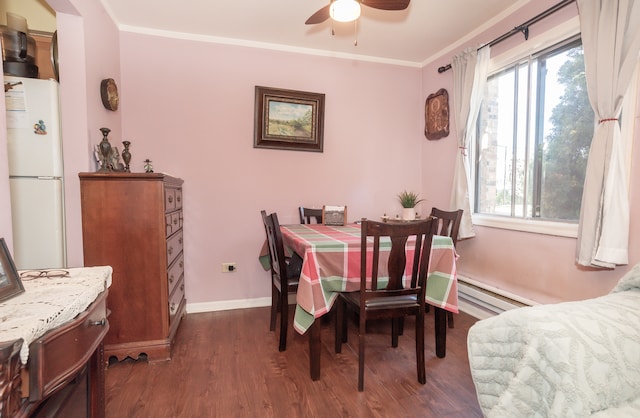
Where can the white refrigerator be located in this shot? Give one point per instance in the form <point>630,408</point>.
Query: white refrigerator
<point>34,149</point>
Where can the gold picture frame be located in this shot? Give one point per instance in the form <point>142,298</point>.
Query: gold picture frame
<point>288,119</point>
<point>436,113</point>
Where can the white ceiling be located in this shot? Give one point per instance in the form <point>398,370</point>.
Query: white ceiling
<point>415,35</point>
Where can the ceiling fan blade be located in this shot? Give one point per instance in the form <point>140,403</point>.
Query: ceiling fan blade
<point>319,16</point>
<point>387,4</point>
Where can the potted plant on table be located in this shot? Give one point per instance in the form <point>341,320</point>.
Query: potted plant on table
<point>409,200</point>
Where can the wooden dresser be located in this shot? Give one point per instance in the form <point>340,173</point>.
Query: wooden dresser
<point>133,222</point>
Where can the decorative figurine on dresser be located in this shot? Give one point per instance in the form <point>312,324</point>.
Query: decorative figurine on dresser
<point>133,222</point>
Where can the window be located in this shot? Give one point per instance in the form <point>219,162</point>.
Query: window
<point>533,135</point>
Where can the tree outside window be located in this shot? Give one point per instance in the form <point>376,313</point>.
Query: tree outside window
<point>534,131</point>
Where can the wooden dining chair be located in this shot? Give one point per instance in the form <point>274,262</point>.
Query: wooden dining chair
<point>284,277</point>
<point>397,298</point>
<point>448,225</point>
<point>307,214</point>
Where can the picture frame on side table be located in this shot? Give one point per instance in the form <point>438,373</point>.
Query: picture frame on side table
<point>288,119</point>
<point>10,283</point>
<point>436,113</point>
<point>334,215</point>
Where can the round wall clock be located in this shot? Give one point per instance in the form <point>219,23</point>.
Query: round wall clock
<point>109,94</point>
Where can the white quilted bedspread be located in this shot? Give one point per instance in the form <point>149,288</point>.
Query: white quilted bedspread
<point>572,359</point>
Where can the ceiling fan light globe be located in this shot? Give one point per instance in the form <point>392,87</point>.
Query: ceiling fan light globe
<point>344,10</point>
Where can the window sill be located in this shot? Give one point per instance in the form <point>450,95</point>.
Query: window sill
<point>560,229</point>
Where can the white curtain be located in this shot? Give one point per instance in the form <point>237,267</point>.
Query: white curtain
<point>470,69</point>
<point>611,42</point>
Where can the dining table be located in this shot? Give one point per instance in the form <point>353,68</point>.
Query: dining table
<point>331,264</point>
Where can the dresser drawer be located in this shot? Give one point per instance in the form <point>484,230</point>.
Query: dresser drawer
<point>59,354</point>
<point>176,220</point>
<point>168,224</point>
<point>175,299</point>
<point>170,199</point>
<point>175,272</point>
<point>173,222</point>
<point>178,193</point>
<point>174,247</point>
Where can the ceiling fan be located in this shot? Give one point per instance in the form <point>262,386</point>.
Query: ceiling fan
<point>351,8</point>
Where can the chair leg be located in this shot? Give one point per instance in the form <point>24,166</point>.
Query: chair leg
<point>440,324</point>
<point>361,340</point>
<point>395,330</point>
<point>450,319</point>
<point>420,360</point>
<point>284,319</point>
<point>401,325</point>
<point>345,322</point>
<point>275,300</point>
<point>339,325</point>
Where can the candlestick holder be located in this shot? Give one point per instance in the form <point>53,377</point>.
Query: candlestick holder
<point>126,155</point>
<point>105,151</point>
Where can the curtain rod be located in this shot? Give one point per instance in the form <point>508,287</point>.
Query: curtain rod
<point>524,28</point>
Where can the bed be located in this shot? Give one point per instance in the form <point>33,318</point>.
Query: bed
<point>572,359</point>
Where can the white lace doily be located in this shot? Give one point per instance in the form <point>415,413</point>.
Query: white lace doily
<point>50,302</point>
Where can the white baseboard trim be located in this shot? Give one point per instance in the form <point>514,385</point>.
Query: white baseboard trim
<point>226,305</point>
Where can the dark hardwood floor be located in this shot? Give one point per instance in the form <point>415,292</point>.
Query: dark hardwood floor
<point>227,364</point>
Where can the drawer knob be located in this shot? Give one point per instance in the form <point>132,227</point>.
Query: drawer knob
<point>170,199</point>
<point>171,278</point>
<point>100,323</point>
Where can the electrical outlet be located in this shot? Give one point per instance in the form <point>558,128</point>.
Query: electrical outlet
<point>229,267</point>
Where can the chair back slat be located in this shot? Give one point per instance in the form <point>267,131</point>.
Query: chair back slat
<point>276,246</point>
<point>309,214</point>
<point>448,222</point>
<point>398,235</point>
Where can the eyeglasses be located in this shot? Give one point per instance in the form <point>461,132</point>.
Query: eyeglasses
<point>49,274</point>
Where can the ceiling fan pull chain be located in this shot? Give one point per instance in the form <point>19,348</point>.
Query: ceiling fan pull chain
<point>355,30</point>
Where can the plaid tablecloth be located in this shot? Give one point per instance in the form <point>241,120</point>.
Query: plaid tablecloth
<point>331,264</point>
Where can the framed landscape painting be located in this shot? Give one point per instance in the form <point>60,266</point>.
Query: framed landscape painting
<point>288,119</point>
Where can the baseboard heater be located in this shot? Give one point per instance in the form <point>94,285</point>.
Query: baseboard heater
<point>483,301</point>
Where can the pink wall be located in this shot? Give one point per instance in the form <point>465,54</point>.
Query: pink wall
<point>88,52</point>
<point>538,267</point>
<point>189,107</point>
